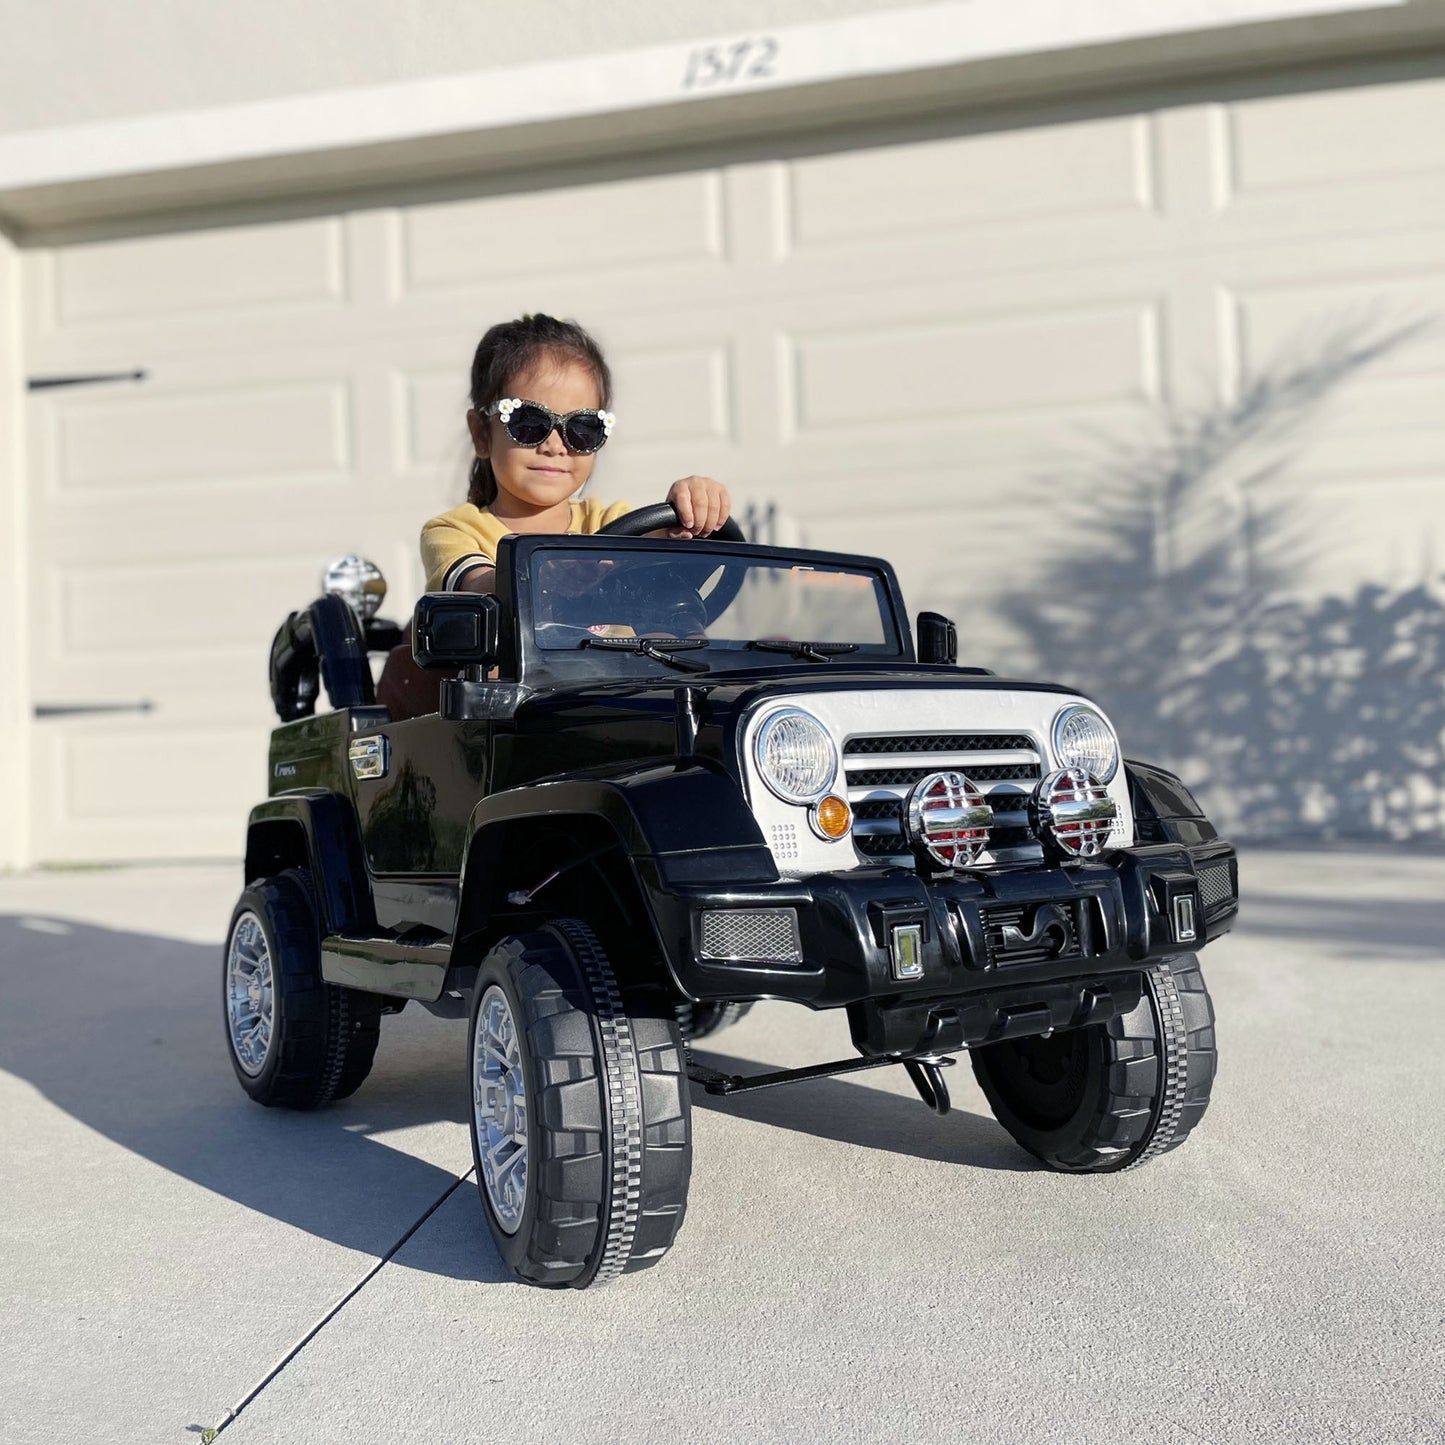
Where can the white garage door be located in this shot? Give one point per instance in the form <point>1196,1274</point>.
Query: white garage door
<point>891,342</point>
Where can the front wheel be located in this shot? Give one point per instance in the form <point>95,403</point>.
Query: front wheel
<point>581,1123</point>
<point>1116,1094</point>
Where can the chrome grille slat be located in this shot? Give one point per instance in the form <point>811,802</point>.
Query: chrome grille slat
<point>929,762</point>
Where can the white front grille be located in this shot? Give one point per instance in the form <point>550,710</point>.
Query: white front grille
<point>888,738</point>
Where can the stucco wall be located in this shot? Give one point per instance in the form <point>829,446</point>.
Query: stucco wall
<point>70,62</point>
<point>163,111</point>
<point>179,55</point>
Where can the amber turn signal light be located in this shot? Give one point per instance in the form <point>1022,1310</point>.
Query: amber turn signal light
<point>831,817</point>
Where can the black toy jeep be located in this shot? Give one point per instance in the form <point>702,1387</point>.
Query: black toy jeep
<point>667,779</point>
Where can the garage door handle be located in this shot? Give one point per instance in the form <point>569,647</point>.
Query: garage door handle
<point>74,709</point>
<point>49,383</point>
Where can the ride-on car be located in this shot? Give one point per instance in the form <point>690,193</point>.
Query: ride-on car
<point>665,780</point>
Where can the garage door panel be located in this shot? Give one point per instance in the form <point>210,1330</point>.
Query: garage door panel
<point>929,375</point>
<point>626,227</point>
<point>1307,313</point>
<point>1344,544</point>
<point>218,272</point>
<point>953,538</point>
<point>994,179</point>
<point>121,789</point>
<point>1364,163</point>
<point>1324,138</point>
<point>137,438</point>
<point>208,606</point>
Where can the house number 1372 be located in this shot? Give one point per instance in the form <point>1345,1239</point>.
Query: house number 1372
<point>713,65</point>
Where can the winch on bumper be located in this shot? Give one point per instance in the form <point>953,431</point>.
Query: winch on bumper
<point>933,965</point>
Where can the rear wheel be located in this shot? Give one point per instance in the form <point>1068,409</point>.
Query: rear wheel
<point>580,1120</point>
<point>1116,1094</point>
<point>294,1040</point>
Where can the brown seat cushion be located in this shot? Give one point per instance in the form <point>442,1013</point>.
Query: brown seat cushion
<point>406,690</point>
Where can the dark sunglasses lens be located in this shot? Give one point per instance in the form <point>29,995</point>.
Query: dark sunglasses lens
<point>584,433</point>
<point>529,426</point>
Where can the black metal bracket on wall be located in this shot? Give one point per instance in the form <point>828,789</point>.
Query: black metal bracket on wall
<point>51,383</point>
<point>78,709</point>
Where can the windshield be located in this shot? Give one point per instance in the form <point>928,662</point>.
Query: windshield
<point>686,608</point>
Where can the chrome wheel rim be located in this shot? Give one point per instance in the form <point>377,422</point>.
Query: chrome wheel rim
<point>250,995</point>
<point>499,1108</point>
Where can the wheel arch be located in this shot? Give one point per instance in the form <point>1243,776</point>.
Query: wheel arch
<point>678,822</point>
<point>597,882</point>
<point>1165,811</point>
<point>315,830</point>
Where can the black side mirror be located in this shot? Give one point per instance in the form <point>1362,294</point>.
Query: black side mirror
<point>937,639</point>
<point>455,629</point>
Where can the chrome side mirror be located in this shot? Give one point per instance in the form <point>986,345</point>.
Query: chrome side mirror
<point>357,582</point>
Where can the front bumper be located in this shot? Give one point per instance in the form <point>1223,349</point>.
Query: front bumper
<point>1024,948</point>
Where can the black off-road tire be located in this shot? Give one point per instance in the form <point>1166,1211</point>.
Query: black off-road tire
<point>323,1037</point>
<point>608,1119</point>
<point>698,1020</point>
<point>1114,1095</point>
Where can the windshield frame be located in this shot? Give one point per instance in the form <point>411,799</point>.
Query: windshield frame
<point>535,666</point>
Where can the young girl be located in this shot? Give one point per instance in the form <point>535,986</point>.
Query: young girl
<point>540,392</point>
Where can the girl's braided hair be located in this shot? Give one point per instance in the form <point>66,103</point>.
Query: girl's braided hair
<point>510,348</point>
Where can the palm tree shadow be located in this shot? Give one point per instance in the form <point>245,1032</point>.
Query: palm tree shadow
<point>852,1113</point>
<point>1174,589</point>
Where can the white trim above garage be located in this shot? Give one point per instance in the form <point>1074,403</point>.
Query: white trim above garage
<point>676,92</point>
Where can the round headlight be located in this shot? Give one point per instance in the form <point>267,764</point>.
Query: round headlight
<point>1084,739</point>
<point>356,580</point>
<point>796,756</point>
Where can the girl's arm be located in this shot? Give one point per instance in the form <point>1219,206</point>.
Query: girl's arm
<point>477,579</point>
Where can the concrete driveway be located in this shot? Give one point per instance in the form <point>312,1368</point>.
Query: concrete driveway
<point>852,1268</point>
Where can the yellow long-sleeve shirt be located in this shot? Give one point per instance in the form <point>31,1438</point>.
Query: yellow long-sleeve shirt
<point>467,536</point>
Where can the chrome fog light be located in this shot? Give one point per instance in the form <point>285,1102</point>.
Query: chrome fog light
<point>1072,810</point>
<point>357,582</point>
<point>947,817</point>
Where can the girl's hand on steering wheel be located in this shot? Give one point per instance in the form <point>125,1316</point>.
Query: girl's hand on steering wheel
<point>703,505</point>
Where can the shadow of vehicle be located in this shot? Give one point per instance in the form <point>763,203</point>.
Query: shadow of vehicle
<point>853,1113</point>
<point>123,1032</point>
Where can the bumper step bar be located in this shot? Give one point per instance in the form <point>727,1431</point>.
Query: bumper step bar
<point>926,1074</point>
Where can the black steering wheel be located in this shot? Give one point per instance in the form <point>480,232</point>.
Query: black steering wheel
<point>659,515</point>
<point>726,580</point>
